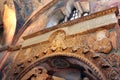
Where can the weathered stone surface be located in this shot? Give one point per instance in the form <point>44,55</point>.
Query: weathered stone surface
<point>102,34</point>
<point>113,39</point>
<point>117,29</point>
<point>99,41</point>
<point>103,45</point>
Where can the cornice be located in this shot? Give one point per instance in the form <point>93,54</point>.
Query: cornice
<point>72,22</point>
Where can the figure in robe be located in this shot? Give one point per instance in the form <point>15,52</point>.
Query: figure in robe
<point>9,22</point>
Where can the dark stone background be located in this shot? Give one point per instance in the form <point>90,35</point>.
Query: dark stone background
<point>23,9</point>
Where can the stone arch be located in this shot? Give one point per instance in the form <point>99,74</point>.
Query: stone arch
<point>87,68</point>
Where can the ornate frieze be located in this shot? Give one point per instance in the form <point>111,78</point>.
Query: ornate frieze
<point>89,55</point>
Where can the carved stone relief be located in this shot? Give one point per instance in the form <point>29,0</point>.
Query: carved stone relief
<point>65,54</point>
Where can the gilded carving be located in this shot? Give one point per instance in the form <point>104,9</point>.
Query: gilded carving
<point>57,40</point>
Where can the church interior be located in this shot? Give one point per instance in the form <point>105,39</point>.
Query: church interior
<point>60,40</point>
